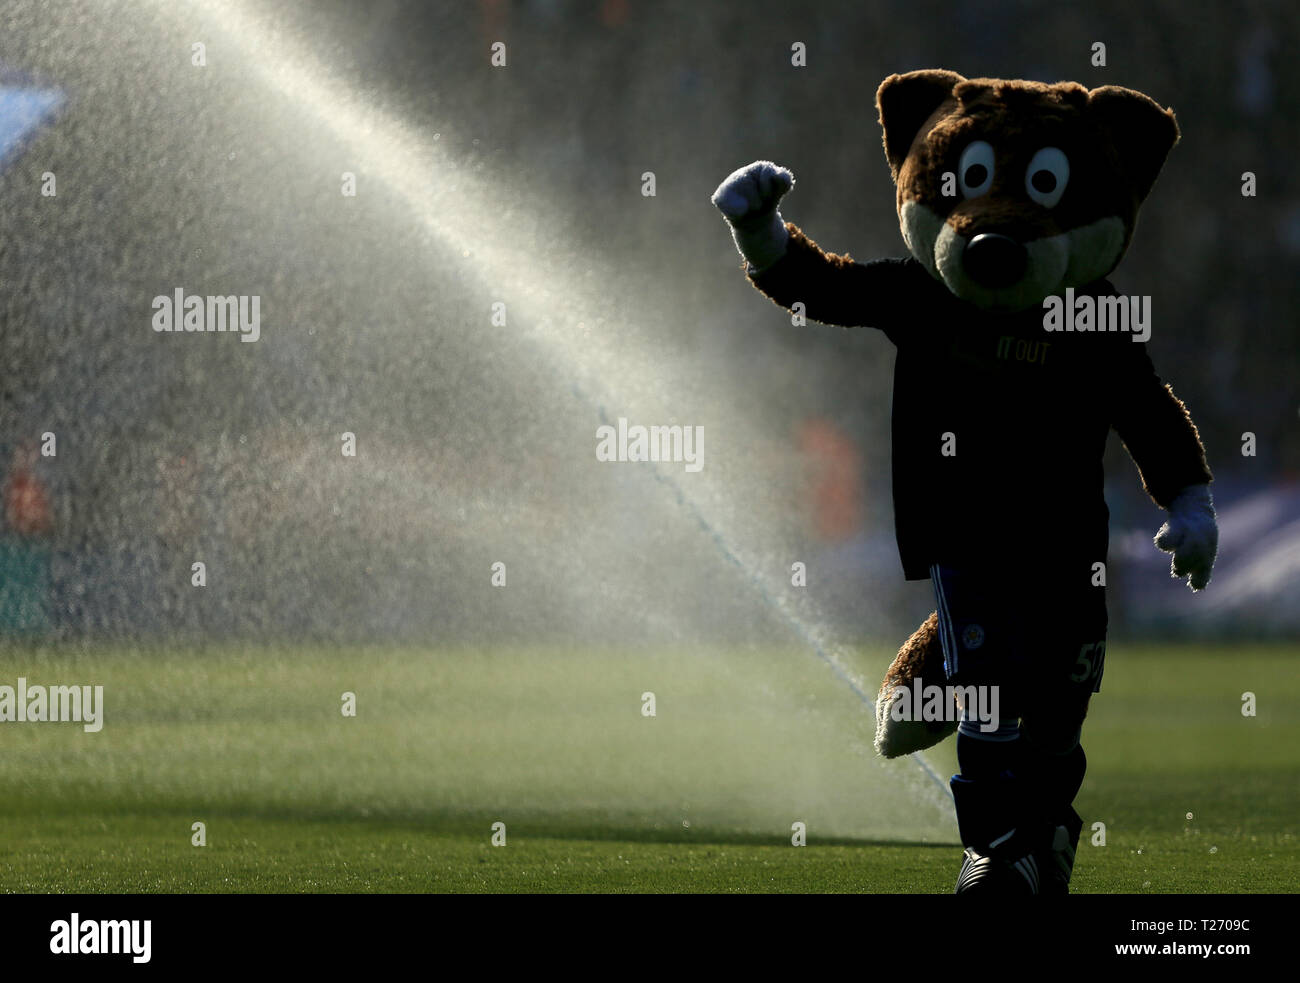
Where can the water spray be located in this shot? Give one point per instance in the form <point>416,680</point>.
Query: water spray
<point>451,203</point>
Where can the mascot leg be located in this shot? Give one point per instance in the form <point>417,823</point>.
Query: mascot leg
<point>1054,767</point>
<point>996,814</point>
<point>988,653</point>
<point>1017,785</point>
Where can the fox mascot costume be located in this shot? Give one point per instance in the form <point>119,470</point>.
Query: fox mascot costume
<point>1015,359</point>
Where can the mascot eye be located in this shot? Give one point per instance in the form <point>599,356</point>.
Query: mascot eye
<point>1047,176</point>
<point>975,169</point>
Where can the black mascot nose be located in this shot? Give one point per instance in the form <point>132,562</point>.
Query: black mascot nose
<point>993,260</point>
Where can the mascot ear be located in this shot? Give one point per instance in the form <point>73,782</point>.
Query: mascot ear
<point>1140,131</point>
<point>905,102</point>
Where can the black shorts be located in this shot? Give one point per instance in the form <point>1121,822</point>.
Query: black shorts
<point>1041,643</point>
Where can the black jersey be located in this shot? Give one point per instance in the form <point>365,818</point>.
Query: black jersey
<point>999,425</point>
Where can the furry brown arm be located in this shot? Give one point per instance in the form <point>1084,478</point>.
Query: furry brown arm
<point>834,289</point>
<point>1159,434</point>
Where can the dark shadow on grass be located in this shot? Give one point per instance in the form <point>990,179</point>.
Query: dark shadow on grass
<point>522,824</point>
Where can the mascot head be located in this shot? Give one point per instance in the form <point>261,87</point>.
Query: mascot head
<point>1010,191</point>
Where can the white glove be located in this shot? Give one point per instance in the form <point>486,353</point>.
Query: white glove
<point>1192,535</point>
<point>748,200</point>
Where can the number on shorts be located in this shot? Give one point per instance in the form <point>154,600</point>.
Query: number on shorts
<point>1089,664</point>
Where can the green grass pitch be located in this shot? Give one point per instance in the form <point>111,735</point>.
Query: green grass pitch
<point>595,795</point>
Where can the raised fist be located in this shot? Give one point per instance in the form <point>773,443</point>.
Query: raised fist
<point>748,200</point>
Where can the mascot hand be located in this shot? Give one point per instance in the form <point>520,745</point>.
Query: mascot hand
<point>1192,535</point>
<point>748,200</point>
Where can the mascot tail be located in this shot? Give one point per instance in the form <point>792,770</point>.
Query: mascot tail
<point>921,657</point>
